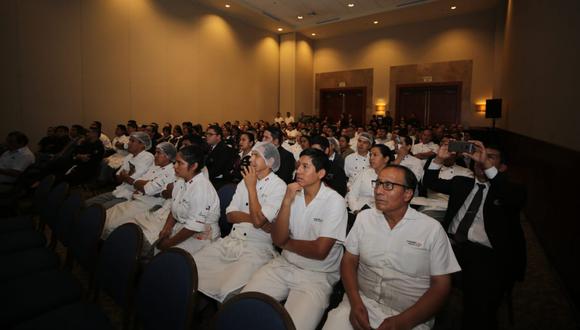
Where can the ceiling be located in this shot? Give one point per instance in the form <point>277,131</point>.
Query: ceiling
<point>328,18</point>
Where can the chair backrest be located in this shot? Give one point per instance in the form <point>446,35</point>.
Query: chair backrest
<point>67,215</point>
<point>253,310</point>
<point>41,192</point>
<point>85,235</point>
<point>49,211</point>
<point>164,297</point>
<point>118,262</point>
<point>225,194</point>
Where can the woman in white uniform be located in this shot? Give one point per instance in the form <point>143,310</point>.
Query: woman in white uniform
<point>361,194</point>
<point>195,208</point>
<point>148,188</point>
<point>225,266</point>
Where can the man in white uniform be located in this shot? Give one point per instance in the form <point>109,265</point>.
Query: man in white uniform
<point>397,265</point>
<point>14,160</point>
<point>148,190</point>
<point>358,161</point>
<point>135,165</point>
<point>426,148</point>
<point>404,158</point>
<point>226,265</point>
<point>310,229</point>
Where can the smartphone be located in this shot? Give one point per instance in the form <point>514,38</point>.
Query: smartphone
<point>461,146</point>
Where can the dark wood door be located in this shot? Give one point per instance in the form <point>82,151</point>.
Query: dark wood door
<point>431,103</point>
<point>412,101</point>
<point>444,105</point>
<point>334,101</point>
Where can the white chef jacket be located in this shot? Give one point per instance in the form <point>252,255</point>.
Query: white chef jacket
<point>141,163</point>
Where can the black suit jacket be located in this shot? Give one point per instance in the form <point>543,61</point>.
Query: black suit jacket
<point>336,178</point>
<point>287,165</point>
<point>220,162</point>
<point>501,215</point>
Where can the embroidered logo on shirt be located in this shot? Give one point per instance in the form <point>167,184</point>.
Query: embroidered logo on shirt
<point>413,243</point>
<point>317,220</point>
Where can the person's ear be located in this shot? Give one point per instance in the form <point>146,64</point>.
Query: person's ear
<point>321,174</point>
<point>408,194</point>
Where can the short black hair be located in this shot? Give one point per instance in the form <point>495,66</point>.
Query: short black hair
<point>19,137</point>
<point>276,133</point>
<point>132,125</point>
<point>320,140</point>
<point>385,151</point>
<point>98,124</point>
<point>410,178</point>
<point>123,128</point>
<point>193,154</point>
<point>250,136</point>
<point>217,129</point>
<point>318,158</point>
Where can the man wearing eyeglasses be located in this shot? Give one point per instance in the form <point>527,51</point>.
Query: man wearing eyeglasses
<point>220,159</point>
<point>397,264</point>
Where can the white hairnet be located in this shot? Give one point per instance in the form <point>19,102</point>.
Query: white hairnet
<point>168,149</point>
<point>270,153</point>
<point>143,138</point>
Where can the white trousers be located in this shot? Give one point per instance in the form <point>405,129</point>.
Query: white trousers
<point>306,292</point>
<point>123,213</point>
<point>338,318</point>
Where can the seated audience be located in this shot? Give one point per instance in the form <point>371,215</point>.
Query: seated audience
<point>192,222</point>
<point>483,220</point>
<point>135,165</point>
<point>361,194</point>
<point>287,163</point>
<point>426,148</point>
<point>87,157</point>
<point>310,229</point>
<point>147,196</point>
<point>226,266</point>
<point>357,162</point>
<point>220,159</point>
<point>15,160</point>
<point>397,264</point>
<point>405,158</point>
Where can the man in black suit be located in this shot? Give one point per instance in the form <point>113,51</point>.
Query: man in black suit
<point>220,159</point>
<point>482,220</point>
<point>287,162</point>
<point>335,177</point>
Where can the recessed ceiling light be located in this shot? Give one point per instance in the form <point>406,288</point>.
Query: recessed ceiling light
<point>375,22</point>
<point>453,7</point>
<point>300,17</point>
<point>227,5</point>
<point>280,29</point>
<point>350,5</point>
<point>313,34</point>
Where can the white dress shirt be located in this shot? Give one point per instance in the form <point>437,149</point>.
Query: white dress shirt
<point>361,192</point>
<point>17,160</point>
<point>324,216</point>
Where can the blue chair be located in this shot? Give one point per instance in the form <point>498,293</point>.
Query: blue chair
<point>21,240</point>
<point>253,310</point>
<point>38,259</point>
<point>225,194</point>
<point>165,292</point>
<point>35,294</point>
<point>26,222</point>
<point>116,273</point>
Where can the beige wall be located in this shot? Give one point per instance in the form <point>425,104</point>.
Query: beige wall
<point>541,66</point>
<point>75,61</point>
<point>469,37</point>
<point>296,75</point>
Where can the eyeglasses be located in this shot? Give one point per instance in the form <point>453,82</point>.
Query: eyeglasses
<point>387,185</point>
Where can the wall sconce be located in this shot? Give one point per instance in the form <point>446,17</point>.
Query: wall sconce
<point>380,109</point>
<point>480,107</point>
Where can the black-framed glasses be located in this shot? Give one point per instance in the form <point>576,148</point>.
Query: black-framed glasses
<point>386,185</point>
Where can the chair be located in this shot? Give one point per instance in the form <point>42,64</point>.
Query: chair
<point>26,222</point>
<point>116,272</point>
<point>42,258</point>
<point>35,294</point>
<point>252,310</point>
<point>164,297</point>
<point>225,194</point>
<point>21,240</point>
